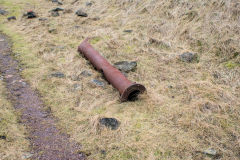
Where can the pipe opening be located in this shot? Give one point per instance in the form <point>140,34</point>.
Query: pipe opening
<point>133,96</point>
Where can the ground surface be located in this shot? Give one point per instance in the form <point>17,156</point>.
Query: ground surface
<point>189,107</point>
<point>13,143</point>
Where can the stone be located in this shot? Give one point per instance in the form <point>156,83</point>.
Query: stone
<point>27,155</point>
<point>111,123</point>
<point>30,14</point>
<point>3,12</point>
<point>1,78</point>
<point>170,86</point>
<point>96,18</point>
<point>57,9</point>
<point>58,2</point>
<point>42,19</point>
<point>98,83</point>
<point>126,66</point>
<point>210,151</point>
<point>58,75</point>
<point>103,152</point>
<point>86,73</point>
<point>128,31</point>
<point>188,57</point>
<point>11,18</point>
<point>53,30</point>
<point>3,137</point>
<point>81,13</point>
<point>77,87</point>
<point>89,4</point>
<point>77,27</point>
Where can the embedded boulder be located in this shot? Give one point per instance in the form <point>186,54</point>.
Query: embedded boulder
<point>111,123</point>
<point>126,66</point>
<point>188,57</point>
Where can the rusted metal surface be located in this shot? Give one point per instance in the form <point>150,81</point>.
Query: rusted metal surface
<point>128,90</point>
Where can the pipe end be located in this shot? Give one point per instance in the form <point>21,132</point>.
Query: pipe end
<point>131,93</point>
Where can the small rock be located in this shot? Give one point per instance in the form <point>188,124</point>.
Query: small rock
<point>98,83</point>
<point>55,14</point>
<point>1,78</point>
<point>89,4</point>
<point>3,137</point>
<point>111,123</point>
<point>27,155</point>
<point>96,18</point>
<point>84,153</point>
<point>57,9</point>
<point>210,151</point>
<point>128,31</point>
<point>58,75</point>
<point>81,13</point>
<point>77,87</point>
<point>42,19</point>
<point>3,12</point>
<point>126,66</point>
<point>53,30</point>
<point>56,1</point>
<point>30,14</point>
<point>170,86</point>
<point>188,57</point>
<point>11,18</point>
<point>86,73</point>
<point>77,27</point>
<point>103,152</point>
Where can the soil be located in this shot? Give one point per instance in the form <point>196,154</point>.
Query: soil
<point>47,141</point>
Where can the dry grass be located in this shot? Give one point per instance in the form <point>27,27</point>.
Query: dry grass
<point>15,145</point>
<point>188,107</point>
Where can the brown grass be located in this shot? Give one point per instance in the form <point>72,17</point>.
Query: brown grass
<point>188,107</point>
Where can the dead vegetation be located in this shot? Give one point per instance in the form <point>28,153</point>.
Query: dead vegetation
<point>189,107</point>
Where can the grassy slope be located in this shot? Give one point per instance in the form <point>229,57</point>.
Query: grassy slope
<point>199,111</point>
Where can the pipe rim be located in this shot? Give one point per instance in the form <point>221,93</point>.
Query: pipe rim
<point>135,89</point>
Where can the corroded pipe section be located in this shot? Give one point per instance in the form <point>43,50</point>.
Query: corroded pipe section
<point>128,90</point>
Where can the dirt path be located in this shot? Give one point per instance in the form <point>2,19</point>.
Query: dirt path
<point>48,143</point>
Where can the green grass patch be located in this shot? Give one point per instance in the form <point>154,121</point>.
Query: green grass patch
<point>231,65</point>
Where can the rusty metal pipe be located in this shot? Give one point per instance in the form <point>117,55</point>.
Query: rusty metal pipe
<point>128,90</point>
